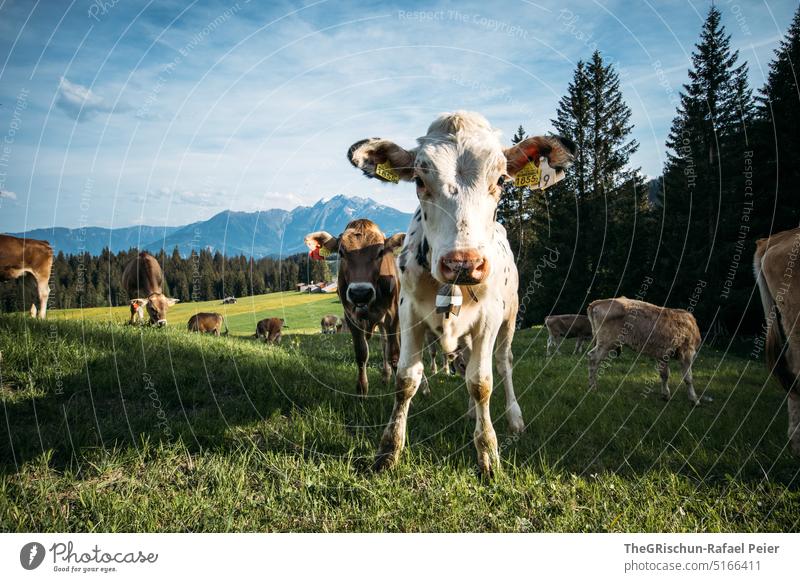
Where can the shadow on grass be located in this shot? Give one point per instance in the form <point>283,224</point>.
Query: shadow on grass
<point>70,390</point>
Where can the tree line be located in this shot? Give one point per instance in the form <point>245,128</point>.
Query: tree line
<point>85,280</point>
<point>685,239</point>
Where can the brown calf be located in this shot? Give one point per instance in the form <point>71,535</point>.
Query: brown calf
<point>143,280</point>
<point>19,256</point>
<point>776,262</point>
<point>207,323</point>
<point>329,324</point>
<point>560,327</point>
<point>270,330</point>
<point>659,332</point>
<point>368,287</point>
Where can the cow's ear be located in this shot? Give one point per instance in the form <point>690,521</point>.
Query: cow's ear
<point>140,301</point>
<point>559,152</point>
<point>382,159</point>
<point>395,242</point>
<point>172,301</point>
<point>321,240</point>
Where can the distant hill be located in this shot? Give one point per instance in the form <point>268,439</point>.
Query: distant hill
<point>258,234</point>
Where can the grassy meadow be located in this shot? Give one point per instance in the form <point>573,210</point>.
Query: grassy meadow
<point>302,312</point>
<point>116,428</point>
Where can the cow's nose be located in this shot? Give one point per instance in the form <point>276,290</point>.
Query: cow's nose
<point>162,322</point>
<point>466,267</point>
<point>360,293</point>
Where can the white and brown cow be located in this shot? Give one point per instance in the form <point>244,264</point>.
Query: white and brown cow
<point>458,167</point>
<point>659,332</point>
<point>19,256</point>
<point>368,289</point>
<point>777,270</point>
<point>143,280</point>
<point>560,327</point>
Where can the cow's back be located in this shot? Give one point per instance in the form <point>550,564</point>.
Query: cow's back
<point>142,276</point>
<point>33,254</point>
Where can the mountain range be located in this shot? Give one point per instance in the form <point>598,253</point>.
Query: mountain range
<point>259,234</point>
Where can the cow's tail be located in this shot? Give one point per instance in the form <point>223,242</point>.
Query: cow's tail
<point>225,321</point>
<point>591,315</point>
<point>776,342</point>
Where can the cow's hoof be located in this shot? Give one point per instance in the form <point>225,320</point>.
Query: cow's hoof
<point>515,422</point>
<point>362,390</point>
<point>706,399</point>
<point>384,461</point>
<point>665,397</point>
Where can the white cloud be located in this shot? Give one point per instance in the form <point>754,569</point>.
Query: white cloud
<point>8,194</point>
<point>81,103</point>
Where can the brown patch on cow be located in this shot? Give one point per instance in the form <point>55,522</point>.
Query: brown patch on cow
<point>270,330</point>
<point>19,256</point>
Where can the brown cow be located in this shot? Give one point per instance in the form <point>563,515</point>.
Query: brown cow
<point>19,256</point>
<point>143,280</point>
<point>776,262</point>
<point>270,330</point>
<point>368,287</point>
<point>659,332</point>
<point>329,324</point>
<point>560,327</point>
<point>207,323</point>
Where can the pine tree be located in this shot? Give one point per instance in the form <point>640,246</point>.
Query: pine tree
<point>779,138</point>
<point>587,220</point>
<point>703,202</point>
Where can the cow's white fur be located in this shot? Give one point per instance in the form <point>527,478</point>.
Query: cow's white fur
<point>459,160</point>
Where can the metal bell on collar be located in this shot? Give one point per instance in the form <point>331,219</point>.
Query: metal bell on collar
<point>449,300</point>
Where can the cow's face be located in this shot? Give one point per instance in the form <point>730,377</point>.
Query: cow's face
<point>365,258</point>
<point>157,305</point>
<point>459,168</point>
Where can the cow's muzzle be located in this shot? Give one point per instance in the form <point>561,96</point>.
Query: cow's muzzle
<point>467,267</point>
<point>161,322</point>
<point>361,295</point>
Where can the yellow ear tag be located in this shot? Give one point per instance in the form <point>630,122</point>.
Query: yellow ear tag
<point>528,176</point>
<point>386,172</point>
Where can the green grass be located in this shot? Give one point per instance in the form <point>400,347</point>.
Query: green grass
<point>302,312</point>
<point>117,428</point>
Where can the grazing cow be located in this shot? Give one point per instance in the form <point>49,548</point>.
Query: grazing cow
<point>19,256</point>
<point>143,280</point>
<point>330,324</point>
<point>229,301</point>
<point>208,323</point>
<point>776,263</point>
<point>459,168</point>
<point>560,327</point>
<point>659,332</point>
<point>368,288</point>
<point>270,330</point>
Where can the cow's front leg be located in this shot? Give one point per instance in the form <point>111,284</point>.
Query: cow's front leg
<point>361,347</point>
<point>44,293</point>
<point>504,360</point>
<point>479,384</point>
<point>409,375</point>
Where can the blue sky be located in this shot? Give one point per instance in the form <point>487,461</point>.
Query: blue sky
<point>116,112</point>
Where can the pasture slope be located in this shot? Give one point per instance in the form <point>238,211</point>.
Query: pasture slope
<point>114,428</point>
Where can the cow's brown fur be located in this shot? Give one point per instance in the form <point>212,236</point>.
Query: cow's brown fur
<point>366,258</point>
<point>19,256</point>
<point>143,280</point>
<point>659,332</point>
<point>560,327</point>
<point>270,330</point>
<point>776,262</point>
<point>207,323</point>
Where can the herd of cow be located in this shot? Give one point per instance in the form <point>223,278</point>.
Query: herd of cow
<point>451,280</point>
